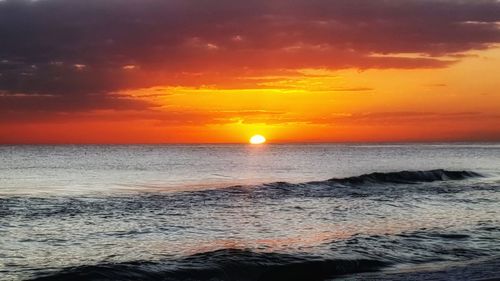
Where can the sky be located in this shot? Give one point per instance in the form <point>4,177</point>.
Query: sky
<point>220,71</point>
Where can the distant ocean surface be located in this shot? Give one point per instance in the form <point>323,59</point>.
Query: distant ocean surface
<point>242,212</point>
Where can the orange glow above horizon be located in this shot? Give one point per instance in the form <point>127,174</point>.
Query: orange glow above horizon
<point>316,105</point>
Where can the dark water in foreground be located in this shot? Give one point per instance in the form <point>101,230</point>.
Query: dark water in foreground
<point>401,212</point>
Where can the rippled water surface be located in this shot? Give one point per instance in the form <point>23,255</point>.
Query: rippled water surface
<point>237,212</point>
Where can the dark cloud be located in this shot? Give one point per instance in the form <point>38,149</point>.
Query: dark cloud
<point>81,51</point>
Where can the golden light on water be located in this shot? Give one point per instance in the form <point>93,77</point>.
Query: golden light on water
<point>257,139</point>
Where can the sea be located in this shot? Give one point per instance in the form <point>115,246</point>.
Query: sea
<point>250,212</point>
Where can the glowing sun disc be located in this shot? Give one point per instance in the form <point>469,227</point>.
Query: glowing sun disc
<point>257,139</point>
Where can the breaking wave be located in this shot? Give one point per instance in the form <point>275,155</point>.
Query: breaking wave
<point>375,184</point>
<point>406,177</point>
<point>226,264</point>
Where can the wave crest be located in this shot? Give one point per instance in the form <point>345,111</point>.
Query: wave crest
<point>406,177</point>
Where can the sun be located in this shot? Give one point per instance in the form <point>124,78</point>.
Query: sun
<point>257,139</point>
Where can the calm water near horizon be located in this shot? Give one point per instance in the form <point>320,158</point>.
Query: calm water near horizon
<point>242,212</point>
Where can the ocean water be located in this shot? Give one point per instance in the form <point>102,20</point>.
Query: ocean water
<point>241,212</point>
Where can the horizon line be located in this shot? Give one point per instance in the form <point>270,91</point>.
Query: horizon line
<point>431,142</point>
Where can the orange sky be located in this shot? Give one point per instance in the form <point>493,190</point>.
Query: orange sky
<point>209,90</point>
